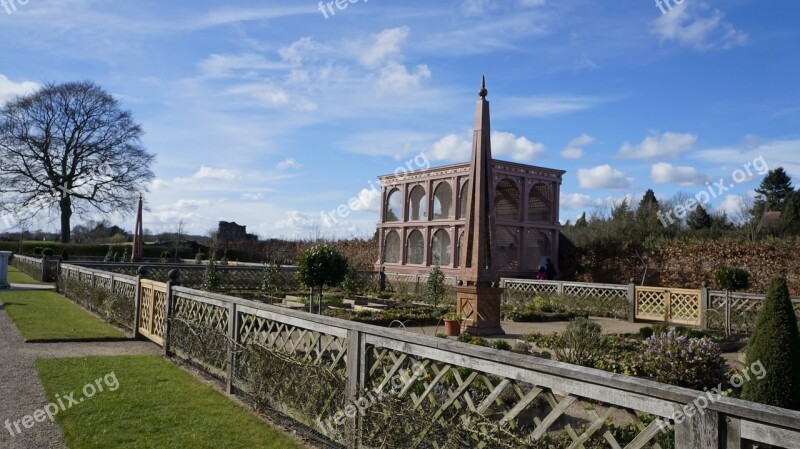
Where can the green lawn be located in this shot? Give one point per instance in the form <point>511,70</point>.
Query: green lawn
<point>48,316</point>
<point>156,405</point>
<point>17,277</point>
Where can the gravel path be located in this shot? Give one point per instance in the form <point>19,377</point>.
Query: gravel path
<point>21,392</point>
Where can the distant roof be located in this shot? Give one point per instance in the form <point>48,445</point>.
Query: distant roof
<point>770,220</point>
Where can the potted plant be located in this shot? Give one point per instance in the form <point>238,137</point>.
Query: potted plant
<point>452,324</point>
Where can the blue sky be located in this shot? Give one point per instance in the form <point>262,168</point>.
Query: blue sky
<point>268,113</point>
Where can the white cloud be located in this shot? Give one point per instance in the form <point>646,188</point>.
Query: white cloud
<point>10,89</point>
<point>668,144</point>
<point>252,196</point>
<point>191,204</point>
<point>395,77</point>
<point>289,164</point>
<point>574,149</point>
<point>664,173</point>
<point>517,148</point>
<point>266,94</point>
<point>575,201</point>
<point>452,147</point>
<point>760,155</point>
<point>458,147</point>
<point>603,177</point>
<point>548,106</point>
<point>219,174</point>
<point>368,200</point>
<point>299,51</point>
<point>734,205</point>
<point>386,45</point>
<point>219,65</point>
<point>694,24</point>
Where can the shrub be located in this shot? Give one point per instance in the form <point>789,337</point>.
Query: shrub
<point>465,337</point>
<point>210,276</point>
<point>272,279</point>
<point>47,252</point>
<point>646,332</point>
<point>198,258</point>
<point>580,344</point>
<point>683,361</point>
<point>501,345</point>
<point>776,345</point>
<point>125,256</point>
<point>352,282</point>
<point>521,348</point>
<point>321,265</point>
<point>109,255</point>
<point>436,288</point>
<point>733,279</point>
<point>37,251</point>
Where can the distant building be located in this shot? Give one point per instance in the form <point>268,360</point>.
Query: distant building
<point>231,233</point>
<point>770,220</point>
<point>422,218</point>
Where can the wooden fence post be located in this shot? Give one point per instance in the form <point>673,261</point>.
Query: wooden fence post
<point>356,381</point>
<point>701,430</point>
<point>233,340</point>
<point>169,308</point>
<point>138,301</point>
<point>632,301</point>
<point>560,288</point>
<point>704,303</point>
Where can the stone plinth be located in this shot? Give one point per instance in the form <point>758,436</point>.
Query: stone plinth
<point>4,256</point>
<point>480,310</point>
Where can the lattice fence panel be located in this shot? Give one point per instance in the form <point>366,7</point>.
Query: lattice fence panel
<point>685,308</point>
<point>307,345</point>
<point>448,406</point>
<point>535,288</point>
<point>651,305</point>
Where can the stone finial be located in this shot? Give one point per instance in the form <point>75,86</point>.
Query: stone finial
<point>483,92</point>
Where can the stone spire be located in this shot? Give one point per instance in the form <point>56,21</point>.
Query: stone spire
<point>477,258</point>
<point>138,236</point>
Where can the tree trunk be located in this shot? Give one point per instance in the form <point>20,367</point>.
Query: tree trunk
<point>66,215</point>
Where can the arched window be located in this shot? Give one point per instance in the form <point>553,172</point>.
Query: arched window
<point>506,200</point>
<point>537,250</point>
<point>507,248</point>
<point>391,248</point>
<point>394,206</point>
<point>417,204</point>
<point>440,248</point>
<point>442,201</point>
<point>540,203</point>
<point>463,212</point>
<point>416,248</point>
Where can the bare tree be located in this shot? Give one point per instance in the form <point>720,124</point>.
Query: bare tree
<point>70,148</point>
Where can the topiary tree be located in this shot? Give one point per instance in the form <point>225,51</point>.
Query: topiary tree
<point>210,276</point>
<point>436,287</point>
<point>125,256</point>
<point>731,279</point>
<point>109,255</point>
<point>775,344</point>
<point>352,283</point>
<point>272,278</point>
<point>320,266</point>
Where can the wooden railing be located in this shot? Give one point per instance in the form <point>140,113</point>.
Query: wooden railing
<point>493,395</point>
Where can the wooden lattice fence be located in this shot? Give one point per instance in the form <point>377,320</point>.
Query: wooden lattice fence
<point>367,387</point>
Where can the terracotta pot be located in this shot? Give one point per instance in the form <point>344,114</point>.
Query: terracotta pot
<point>452,328</point>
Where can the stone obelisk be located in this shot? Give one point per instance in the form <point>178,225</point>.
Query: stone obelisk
<point>138,237</point>
<point>478,292</point>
